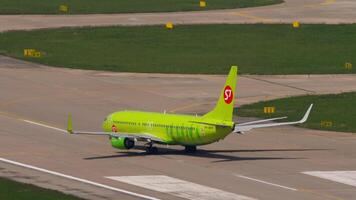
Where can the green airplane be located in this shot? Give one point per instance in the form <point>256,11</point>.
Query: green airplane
<point>128,128</point>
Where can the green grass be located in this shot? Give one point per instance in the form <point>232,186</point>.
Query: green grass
<point>339,109</point>
<point>120,6</point>
<point>11,190</point>
<point>256,49</point>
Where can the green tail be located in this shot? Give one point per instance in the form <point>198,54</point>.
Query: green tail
<point>224,108</point>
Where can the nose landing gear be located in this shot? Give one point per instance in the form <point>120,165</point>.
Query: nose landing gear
<point>190,149</point>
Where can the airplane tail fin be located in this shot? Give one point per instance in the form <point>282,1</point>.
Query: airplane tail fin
<point>225,105</point>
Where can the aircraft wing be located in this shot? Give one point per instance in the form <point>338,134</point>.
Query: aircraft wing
<point>136,136</point>
<point>240,128</point>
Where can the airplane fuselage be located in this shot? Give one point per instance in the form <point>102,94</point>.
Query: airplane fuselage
<point>127,129</point>
<point>171,128</point>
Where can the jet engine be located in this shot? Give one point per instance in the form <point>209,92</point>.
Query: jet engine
<point>122,143</point>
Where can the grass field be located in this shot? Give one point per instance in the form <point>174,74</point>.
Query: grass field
<point>120,6</point>
<point>335,112</point>
<point>11,190</point>
<point>256,49</point>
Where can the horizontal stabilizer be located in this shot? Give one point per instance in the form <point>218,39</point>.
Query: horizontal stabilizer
<point>263,120</point>
<point>239,128</point>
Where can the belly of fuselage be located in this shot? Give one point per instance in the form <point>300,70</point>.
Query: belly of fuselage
<point>200,136</point>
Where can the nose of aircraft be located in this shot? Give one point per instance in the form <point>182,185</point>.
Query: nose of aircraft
<point>107,123</point>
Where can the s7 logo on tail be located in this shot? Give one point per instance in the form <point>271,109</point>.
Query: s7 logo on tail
<point>228,94</point>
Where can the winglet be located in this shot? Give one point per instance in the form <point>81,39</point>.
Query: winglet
<point>306,115</point>
<point>70,124</point>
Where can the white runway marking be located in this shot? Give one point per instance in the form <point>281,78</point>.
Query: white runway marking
<point>180,188</point>
<point>345,177</point>
<point>268,183</point>
<point>77,179</point>
<point>44,125</point>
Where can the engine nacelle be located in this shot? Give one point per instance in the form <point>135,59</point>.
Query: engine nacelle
<point>122,143</point>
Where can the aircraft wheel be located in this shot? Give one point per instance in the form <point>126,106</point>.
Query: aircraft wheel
<point>151,150</point>
<point>190,149</point>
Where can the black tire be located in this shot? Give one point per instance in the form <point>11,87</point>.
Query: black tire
<point>151,150</point>
<point>190,149</point>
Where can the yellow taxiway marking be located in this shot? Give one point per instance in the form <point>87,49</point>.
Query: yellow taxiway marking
<point>264,19</point>
<point>44,125</point>
<point>8,115</point>
<point>328,2</point>
<point>249,16</point>
<point>324,3</point>
<point>18,100</point>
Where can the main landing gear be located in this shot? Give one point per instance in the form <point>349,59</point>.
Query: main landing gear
<point>190,149</point>
<point>150,149</point>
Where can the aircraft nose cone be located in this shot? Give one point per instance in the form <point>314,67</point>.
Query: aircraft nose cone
<point>107,124</point>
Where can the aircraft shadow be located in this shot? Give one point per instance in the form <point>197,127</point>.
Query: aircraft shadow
<point>211,154</point>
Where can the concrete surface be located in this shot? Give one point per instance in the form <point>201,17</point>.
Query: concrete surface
<point>265,164</point>
<point>305,11</point>
<point>259,165</point>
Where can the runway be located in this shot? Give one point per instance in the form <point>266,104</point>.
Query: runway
<point>305,11</point>
<point>265,164</point>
